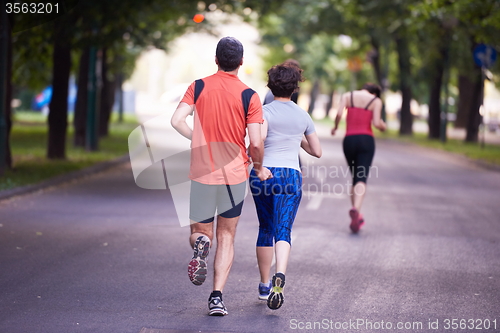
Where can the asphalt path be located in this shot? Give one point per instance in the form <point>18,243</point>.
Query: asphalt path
<point>102,255</point>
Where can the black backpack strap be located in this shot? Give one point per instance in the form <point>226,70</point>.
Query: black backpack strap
<point>246,96</point>
<point>367,105</point>
<point>198,87</point>
<point>352,103</point>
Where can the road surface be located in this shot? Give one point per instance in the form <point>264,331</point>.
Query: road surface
<point>103,255</point>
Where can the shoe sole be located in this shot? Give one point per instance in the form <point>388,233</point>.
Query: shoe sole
<point>263,298</point>
<point>276,299</point>
<point>197,267</point>
<point>354,214</point>
<point>361,221</point>
<point>217,312</point>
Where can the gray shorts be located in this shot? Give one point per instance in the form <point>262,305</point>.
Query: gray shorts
<point>205,200</point>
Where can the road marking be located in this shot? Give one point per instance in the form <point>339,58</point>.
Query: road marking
<point>315,202</point>
<point>315,199</point>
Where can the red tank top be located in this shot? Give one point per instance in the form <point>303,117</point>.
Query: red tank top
<point>359,121</point>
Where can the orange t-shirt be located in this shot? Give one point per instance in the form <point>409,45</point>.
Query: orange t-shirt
<point>218,152</point>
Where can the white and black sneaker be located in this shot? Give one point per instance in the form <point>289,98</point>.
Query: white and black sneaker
<point>276,298</point>
<point>216,306</point>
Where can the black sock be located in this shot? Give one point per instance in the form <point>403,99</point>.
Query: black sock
<point>216,293</point>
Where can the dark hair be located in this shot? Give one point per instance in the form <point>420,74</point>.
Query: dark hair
<point>373,89</point>
<point>292,62</point>
<point>284,79</point>
<point>229,53</point>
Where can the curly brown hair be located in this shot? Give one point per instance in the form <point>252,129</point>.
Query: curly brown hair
<point>283,79</point>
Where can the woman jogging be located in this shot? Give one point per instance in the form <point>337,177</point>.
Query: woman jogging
<point>286,128</point>
<point>364,108</point>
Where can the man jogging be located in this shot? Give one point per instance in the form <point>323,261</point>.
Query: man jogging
<point>223,108</point>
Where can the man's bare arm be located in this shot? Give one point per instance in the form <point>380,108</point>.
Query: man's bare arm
<point>178,120</point>
<point>257,151</point>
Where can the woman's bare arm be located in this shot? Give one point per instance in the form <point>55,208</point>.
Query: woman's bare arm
<point>310,143</point>
<point>340,111</point>
<point>378,122</point>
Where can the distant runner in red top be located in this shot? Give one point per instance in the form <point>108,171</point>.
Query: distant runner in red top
<point>364,108</point>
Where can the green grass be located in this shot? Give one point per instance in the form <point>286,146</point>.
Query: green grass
<point>29,149</point>
<point>489,153</point>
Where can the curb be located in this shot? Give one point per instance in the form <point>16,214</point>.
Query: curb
<point>64,178</point>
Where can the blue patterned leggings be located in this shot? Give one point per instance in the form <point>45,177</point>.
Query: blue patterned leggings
<point>277,201</point>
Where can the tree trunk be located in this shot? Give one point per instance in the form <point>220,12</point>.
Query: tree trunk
<point>329,104</point>
<point>441,63</point>
<point>119,83</point>
<point>406,126</point>
<point>5,90</point>
<point>474,119</point>
<point>107,97</point>
<point>465,92</point>
<point>375,61</point>
<point>314,94</point>
<point>80,119</point>
<point>8,96</point>
<point>58,114</point>
<point>434,119</point>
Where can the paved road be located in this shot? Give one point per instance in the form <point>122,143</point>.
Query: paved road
<point>102,255</point>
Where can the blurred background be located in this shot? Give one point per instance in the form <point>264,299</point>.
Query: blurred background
<point>77,76</point>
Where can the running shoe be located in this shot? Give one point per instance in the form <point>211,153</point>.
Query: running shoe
<point>276,299</point>
<point>264,290</point>
<point>361,220</point>
<point>197,268</point>
<point>216,306</point>
<point>354,214</point>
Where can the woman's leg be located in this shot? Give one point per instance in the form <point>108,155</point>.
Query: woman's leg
<point>286,206</point>
<point>364,160</point>
<point>264,204</point>
<point>282,255</point>
<point>358,194</point>
<point>349,147</point>
<point>265,259</point>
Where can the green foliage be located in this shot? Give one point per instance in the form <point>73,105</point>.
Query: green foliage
<point>426,25</point>
<point>125,27</point>
<point>320,53</point>
<point>29,137</point>
<point>32,57</point>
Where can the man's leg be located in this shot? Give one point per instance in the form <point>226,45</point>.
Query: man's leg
<point>224,254</point>
<point>201,241</point>
<point>201,229</point>
<point>201,212</point>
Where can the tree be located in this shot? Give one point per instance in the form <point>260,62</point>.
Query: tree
<point>5,90</point>
<point>373,23</point>
<point>480,20</point>
<point>42,48</point>
<point>434,34</point>
<point>122,35</point>
<point>318,52</point>
<point>58,119</point>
